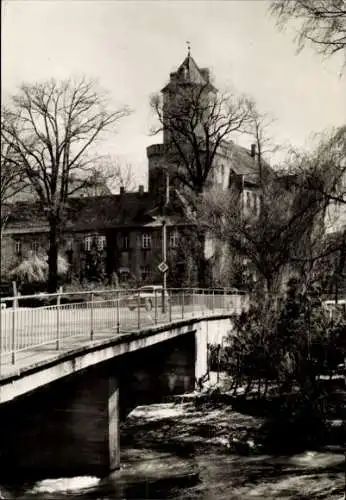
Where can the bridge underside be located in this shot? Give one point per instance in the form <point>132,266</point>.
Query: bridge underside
<point>71,427</point>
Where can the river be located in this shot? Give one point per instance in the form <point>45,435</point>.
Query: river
<point>181,450</point>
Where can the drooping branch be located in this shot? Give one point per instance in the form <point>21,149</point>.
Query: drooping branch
<point>320,22</point>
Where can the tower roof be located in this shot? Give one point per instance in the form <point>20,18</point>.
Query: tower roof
<point>189,73</point>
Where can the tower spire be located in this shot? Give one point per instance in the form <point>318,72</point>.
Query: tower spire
<point>188,44</point>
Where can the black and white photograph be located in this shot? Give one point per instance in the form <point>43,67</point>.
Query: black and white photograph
<point>173,250</point>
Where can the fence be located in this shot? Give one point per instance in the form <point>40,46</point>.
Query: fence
<point>54,320</point>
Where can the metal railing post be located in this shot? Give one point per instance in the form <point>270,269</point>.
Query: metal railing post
<point>155,305</point>
<point>139,309</point>
<point>118,312</point>
<point>13,334</point>
<point>182,304</point>
<point>58,301</point>
<point>213,295</point>
<point>92,316</point>
<point>170,307</point>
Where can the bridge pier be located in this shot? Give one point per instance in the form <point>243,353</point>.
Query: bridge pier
<point>69,428</point>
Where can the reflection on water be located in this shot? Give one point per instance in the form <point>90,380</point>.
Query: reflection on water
<point>179,451</point>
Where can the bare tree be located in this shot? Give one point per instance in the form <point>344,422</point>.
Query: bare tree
<point>259,128</point>
<point>52,127</point>
<point>12,177</point>
<point>321,22</point>
<point>114,174</point>
<point>197,127</point>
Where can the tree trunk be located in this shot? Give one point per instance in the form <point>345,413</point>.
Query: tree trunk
<point>53,256</point>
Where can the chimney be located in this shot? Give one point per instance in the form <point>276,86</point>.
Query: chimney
<point>122,190</point>
<point>141,189</point>
<point>253,150</point>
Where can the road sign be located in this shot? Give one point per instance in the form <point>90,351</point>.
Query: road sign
<point>163,267</point>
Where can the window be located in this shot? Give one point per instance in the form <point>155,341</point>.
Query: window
<point>69,244</point>
<point>125,241</point>
<point>248,199</point>
<point>258,204</point>
<point>173,239</point>
<point>146,240</point>
<point>254,202</point>
<point>124,274</point>
<point>88,243</point>
<point>222,171</point>
<point>145,272</point>
<point>124,259</point>
<point>18,246</point>
<point>34,246</point>
<point>101,242</point>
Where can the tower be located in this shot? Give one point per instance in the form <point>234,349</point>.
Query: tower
<point>186,84</point>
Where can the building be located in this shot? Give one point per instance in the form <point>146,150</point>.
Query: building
<point>122,234</point>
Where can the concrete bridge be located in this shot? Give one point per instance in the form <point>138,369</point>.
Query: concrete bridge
<point>60,415</point>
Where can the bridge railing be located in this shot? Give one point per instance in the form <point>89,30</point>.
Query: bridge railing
<point>46,322</point>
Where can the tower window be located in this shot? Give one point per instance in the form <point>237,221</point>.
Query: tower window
<point>18,246</point>
<point>34,246</point>
<point>248,199</point>
<point>222,174</point>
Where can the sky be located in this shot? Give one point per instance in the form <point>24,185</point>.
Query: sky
<point>130,47</point>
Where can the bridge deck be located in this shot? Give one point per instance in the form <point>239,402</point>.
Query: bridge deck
<point>33,355</point>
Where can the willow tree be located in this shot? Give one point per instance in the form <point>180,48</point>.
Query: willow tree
<point>289,232</point>
<point>319,22</point>
<point>52,128</point>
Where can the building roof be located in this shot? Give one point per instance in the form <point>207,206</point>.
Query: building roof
<point>28,193</point>
<point>242,162</point>
<point>189,73</point>
<point>89,213</point>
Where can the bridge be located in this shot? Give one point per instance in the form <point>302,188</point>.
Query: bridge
<point>72,369</point>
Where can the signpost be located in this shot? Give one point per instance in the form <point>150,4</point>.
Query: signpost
<point>163,267</point>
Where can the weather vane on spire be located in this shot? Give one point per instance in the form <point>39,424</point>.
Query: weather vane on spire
<point>188,44</point>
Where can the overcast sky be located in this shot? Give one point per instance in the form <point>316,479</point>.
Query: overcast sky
<point>131,47</point>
